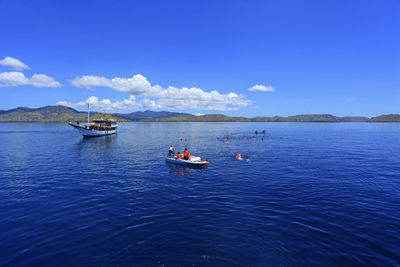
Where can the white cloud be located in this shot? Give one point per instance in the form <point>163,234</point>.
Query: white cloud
<point>42,80</point>
<point>106,104</point>
<point>67,104</point>
<point>137,85</point>
<point>169,98</point>
<point>15,78</point>
<point>14,63</point>
<point>262,88</point>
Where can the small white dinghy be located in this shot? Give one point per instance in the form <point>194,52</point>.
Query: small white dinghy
<point>193,161</point>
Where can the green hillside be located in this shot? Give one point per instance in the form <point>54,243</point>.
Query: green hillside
<point>149,115</point>
<point>354,119</point>
<point>48,114</point>
<point>65,114</point>
<point>100,116</point>
<point>297,118</point>
<point>386,118</point>
<point>313,118</point>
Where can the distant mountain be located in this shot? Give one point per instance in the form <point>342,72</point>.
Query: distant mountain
<point>386,118</point>
<point>20,109</point>
<point>64,114</point>
<point>354,119</point>
<point>313,118</point>
<point>203,118</point>
<point>148,115</point>
<point>297,118</point>
<point>45,114</point>
<point>100,116</point>
<point>48,113</point>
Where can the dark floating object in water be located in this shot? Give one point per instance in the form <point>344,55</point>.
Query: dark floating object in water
<point>256,132</point>
<point>236,138</point>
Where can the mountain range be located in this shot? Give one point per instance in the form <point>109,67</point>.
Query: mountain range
<point>148,115</point>
<point>64,114</point>
<point>296,118</point>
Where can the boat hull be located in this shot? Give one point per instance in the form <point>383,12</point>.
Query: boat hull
<point>195,162</point>
<point>94,133</point>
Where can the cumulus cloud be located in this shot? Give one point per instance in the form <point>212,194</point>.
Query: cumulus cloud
<point>66,103</point>
<point>169,98</point>
<point>14,63</point>
<point>106,104</point>
<point>262,88</point>
<point>137,85</point>
<point>15,78</point>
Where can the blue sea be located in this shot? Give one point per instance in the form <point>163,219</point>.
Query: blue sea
<point>323,194</point>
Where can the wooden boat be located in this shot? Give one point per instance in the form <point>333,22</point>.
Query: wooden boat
<point>99,127</point>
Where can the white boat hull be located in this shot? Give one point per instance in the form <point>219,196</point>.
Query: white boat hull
<point>94,133</point>
<point>193,161</point>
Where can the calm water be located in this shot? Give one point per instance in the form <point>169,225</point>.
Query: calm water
<point>313,194</point>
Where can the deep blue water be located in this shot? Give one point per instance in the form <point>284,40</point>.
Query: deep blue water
<point>312,194</point>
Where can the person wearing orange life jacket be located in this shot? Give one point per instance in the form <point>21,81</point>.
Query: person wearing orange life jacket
<point>238,156</point>
<point>186,154</point>
<point>179,155</point>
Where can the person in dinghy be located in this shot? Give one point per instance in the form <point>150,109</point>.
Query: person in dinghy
<point>186,154</point>
<point>171,151</point>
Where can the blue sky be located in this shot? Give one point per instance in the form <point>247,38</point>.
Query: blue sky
<point>338,57</point>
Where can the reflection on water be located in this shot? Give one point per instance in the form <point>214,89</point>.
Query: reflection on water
<point>105,141</point>
<point>95,148</point>
<point>180,170</point>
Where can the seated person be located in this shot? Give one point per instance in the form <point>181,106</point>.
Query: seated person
<point>186,154</point>
<point>179,155</point>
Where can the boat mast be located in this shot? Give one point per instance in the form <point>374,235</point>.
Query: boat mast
<point>88,112</point>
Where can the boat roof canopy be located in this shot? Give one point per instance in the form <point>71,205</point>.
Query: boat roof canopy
<point>104,120</point>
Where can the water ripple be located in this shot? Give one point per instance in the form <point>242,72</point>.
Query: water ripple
<point>312,194</point>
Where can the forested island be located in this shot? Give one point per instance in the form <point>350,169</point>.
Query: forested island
<point>65,114</point>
